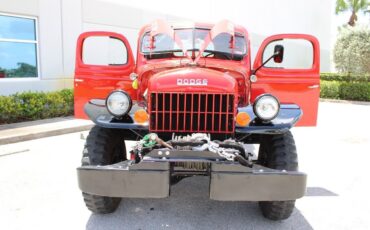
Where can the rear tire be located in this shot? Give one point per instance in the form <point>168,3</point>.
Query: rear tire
<point>278,152</point>
<point>103,147</point>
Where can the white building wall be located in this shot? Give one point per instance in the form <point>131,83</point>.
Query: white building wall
<point>71,29</point>
<point>61,21</point>
<point>50,39</point>
<point>50,48</point>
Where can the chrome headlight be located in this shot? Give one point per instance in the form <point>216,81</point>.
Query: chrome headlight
<point>266,107</point>
<point>118,103</point>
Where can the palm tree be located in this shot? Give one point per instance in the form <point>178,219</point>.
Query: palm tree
<point>354,6</point>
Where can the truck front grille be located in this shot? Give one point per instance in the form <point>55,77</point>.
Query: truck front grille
<point>191,112</point>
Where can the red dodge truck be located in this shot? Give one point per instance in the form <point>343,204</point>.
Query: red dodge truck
<point>195,106</point>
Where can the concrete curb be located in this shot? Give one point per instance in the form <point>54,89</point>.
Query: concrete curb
<point>25,131</point>
<point>11,140</point>
<point>345,101</point>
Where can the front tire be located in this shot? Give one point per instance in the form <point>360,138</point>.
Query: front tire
<point>278,152</point>
<point>103,147</point>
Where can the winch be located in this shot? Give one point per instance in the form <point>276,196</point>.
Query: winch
<point>183,147</point>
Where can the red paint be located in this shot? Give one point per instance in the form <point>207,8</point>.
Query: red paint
<point>291,85</point>
<point>166,81</point>
<point>222,76</point>
<point>96,81</point>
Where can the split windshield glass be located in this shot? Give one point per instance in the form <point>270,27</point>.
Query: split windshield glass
<point>192,40</point>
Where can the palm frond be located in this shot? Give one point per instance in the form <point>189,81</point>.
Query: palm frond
<point>358,5</point>
<point>364,4</point>
<point>341,6</point>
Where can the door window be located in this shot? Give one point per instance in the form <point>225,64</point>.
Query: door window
<point>104,51</point>
<point>298,54</point>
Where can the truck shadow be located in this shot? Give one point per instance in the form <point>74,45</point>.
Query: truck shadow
<point>189,207</point>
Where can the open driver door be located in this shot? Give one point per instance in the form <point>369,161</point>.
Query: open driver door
<point>104,61</point>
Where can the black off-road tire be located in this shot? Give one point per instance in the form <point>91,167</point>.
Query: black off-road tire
<point>278,152</point>
<point>103,147</point>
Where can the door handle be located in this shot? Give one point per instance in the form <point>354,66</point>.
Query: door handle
<point>313,86</point>
<point>79,80</point>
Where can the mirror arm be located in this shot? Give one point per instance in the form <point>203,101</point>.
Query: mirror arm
<point>259,67</point>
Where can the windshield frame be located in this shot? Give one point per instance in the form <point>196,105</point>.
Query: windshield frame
<point>237,34</point>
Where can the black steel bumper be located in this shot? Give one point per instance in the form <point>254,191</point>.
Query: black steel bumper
<point>228,181</point>
<point>239,183</point>
<point>288,116</point>
<point>147,179</point>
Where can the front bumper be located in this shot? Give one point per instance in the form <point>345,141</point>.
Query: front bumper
<point>239,183</point>
<point>228,181</point>
<point>147,179</point>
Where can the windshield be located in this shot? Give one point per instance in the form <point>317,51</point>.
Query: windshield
<point>192,40</point>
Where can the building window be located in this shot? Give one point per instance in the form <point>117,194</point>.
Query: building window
<point>18,47</point>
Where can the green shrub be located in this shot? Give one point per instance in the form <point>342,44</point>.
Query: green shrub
<point>35,105</point>
<point>358,91</point>
<point>329,89</point>
<point>352,50</point>
<point>354,91</point>
<point>345,77</point>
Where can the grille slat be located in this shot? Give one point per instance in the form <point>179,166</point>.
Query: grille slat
<point>156,107</point>
<point>171,111</point>
<point>213,112</point>
<point>227,106</point>
<point>193,112</point>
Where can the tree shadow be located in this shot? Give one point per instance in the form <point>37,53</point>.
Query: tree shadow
<point>189,207</point>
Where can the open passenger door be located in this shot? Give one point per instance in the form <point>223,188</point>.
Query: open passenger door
<point>104,61</point>
<point>292,78</point>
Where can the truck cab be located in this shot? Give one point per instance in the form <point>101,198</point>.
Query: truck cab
<point>192,101</point>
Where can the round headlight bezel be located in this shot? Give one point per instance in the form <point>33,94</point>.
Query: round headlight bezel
<point>258,100</point>
<point>128,108</point>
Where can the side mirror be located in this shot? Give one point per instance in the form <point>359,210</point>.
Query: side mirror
<point>278,53</point>
<point>278,56</point>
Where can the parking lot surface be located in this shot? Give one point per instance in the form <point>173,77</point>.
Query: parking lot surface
<point>38,185</point>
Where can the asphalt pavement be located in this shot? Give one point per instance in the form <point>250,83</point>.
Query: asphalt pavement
<point>38,185</point>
